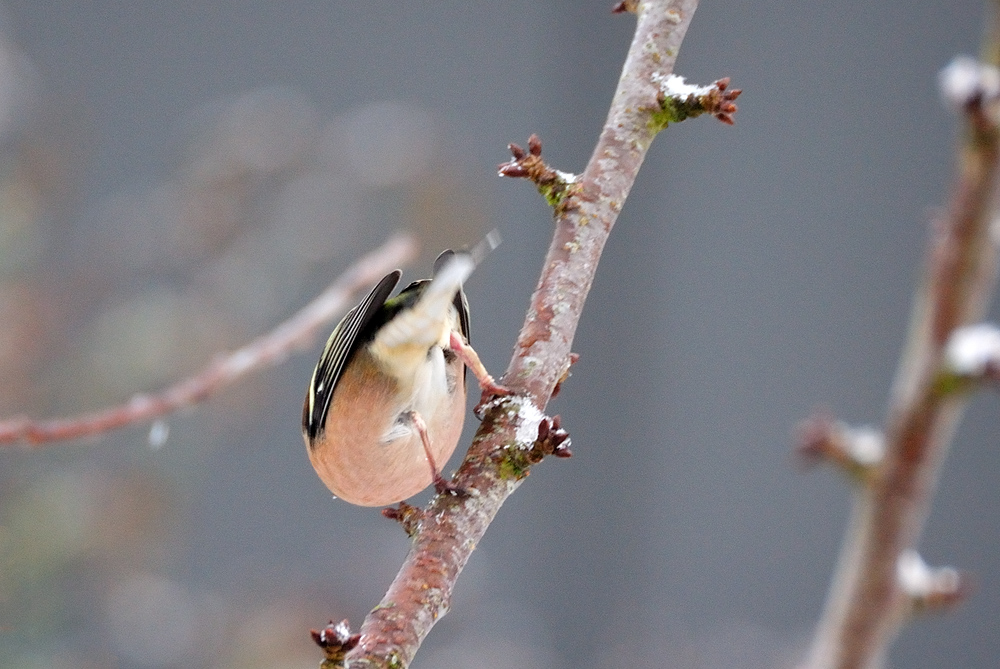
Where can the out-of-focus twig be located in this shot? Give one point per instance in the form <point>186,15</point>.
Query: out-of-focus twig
<point>266,350</point>
<point>515,431</point>
<point>869,596</point>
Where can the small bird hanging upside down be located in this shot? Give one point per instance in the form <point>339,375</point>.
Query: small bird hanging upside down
<point>386,404</point>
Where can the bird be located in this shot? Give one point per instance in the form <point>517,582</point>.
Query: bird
<point>386,403</point>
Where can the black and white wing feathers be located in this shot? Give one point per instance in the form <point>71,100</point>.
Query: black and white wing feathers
<point>342,344</point>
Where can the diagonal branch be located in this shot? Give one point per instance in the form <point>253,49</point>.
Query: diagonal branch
<point>447,531</point>
<point>868,602</point>
<point>267,350</point>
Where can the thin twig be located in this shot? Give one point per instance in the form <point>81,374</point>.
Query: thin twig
<point>266,350</point>
<point>450,527</point>
<point>867,604</point>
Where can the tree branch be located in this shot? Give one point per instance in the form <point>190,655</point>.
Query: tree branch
<point>269,349</point>
<point>868,599</point>
<point>447,531</point>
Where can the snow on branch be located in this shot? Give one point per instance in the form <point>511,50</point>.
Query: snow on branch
<point>967,81</point>
<point>974,350</point>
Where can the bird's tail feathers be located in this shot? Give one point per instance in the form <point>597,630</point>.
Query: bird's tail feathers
<point>427,321</point>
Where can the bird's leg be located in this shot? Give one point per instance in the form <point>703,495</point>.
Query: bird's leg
<point>440,484</point>
<point>468,355</point>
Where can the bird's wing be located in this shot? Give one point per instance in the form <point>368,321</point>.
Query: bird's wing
<point>342,343</point>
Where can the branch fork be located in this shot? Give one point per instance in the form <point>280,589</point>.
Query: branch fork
<point>857,451</point>
<point>973,353</point>
<point>553,184</point>
<point>407,515</point>
<point>336,641</point>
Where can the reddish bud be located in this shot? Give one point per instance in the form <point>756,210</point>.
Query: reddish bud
<point>543,430</point>
<point>335,639</point>
<point>535,145</point>
<point>512,170</point>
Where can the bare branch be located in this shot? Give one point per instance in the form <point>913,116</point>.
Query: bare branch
<point>507,444</point>
<point>267,350</point>
<point>867,602</point>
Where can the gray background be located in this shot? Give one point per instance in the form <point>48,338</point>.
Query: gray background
<point>756,273</point>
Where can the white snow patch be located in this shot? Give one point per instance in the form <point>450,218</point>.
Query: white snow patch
<point>917,579</point>
<point>965,78</point>
<point>972,348</point>
<point>495,402</point>
<point>241,361</point>
<point>529,417</point>
<point>674,86</point>
<point>866,446</point>
<point>158,433</point>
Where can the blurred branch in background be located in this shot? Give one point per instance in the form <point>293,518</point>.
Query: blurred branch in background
<point>880,579</point>
<point>107,294</point>
<point>267,350</point>
<point>263,196</point>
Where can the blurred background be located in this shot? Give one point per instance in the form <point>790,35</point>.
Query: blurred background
<point>178,177</point>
